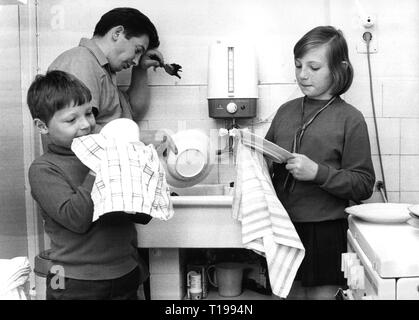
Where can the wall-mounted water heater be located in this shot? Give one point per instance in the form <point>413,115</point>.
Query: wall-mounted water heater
<point>232,80</point>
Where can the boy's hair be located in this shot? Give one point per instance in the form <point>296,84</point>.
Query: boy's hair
<point>54,91</point>
<point>134,22</point>
<point>338,57</point>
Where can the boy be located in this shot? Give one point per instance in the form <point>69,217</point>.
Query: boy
<point>94,260</point>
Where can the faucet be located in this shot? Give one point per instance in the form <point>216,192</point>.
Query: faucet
<point>223,132</point>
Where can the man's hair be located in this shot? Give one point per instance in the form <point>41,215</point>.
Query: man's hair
<point>54,91</point>
<point>337,54</point>
<point>134,22</point>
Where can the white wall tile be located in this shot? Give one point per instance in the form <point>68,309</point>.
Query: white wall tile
<point>409,173</point>
<point>278,94</point>
<point>410,136</point>
<point>176,102</point>
<point>409,197</point>
<point>401,98</point>
<point>378,197</point>
<point>391,171</point>
<point>388,134</point>
<point>359,96</point>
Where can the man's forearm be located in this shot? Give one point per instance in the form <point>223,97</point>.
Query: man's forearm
<point>139,93</point>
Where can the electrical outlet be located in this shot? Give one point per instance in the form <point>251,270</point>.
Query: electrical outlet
<point>361,46</point>
<point>368,24</point>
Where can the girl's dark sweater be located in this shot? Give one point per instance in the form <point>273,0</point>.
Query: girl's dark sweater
<point>337,140</point>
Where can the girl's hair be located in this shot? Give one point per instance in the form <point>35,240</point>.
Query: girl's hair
<point>54,91</point>
<point>337,54</point>
<point>134,22</point>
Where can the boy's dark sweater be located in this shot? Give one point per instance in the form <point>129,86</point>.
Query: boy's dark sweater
<point>104,249</point>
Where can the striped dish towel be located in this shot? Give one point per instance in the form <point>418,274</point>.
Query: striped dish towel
<point>266,226</point>
<point>129,176</point>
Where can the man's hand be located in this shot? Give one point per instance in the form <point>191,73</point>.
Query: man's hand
<point>167,143</point>
<point>151,58</point>
<point>302,168</point>
<point>161,139</point>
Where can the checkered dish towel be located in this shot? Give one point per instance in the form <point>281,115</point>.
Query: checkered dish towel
<point>129,176</point>
<point>266,226</point>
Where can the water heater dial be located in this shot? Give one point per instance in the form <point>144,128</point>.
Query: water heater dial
<point>231,107</point>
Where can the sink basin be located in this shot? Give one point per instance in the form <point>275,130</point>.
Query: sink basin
<point>202,218</point>
<point>202,195</point>
<point>202,190</point>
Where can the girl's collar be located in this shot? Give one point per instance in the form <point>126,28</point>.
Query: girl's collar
<point>316,101</point>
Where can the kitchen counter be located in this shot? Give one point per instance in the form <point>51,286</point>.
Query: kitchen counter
<point>391,246</point>
<point>199,221</point>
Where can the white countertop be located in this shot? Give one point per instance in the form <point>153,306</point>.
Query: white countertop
<point>393,249</point>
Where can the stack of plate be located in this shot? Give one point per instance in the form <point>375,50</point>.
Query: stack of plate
<point>381,212</point>
<point>414,214</point>
<point>270,150</point>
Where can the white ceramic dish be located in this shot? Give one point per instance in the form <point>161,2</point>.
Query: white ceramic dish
<point>381,212</point>
<point>192,163</point>
<point>414,210</point>
<point>269,149</point>
<point>414,215</point>
<point>414,222</point>
<point>122,129</point>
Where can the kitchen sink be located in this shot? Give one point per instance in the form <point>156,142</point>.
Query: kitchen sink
<point>202,190</point>
<point>202,218</point>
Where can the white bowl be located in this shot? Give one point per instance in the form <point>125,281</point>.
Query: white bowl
<point>122,129</point>
<point>192,163</point>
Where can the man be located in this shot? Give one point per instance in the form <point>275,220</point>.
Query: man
<point>122,38</point>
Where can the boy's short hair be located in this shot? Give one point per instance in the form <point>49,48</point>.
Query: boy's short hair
<point>338,57</point>
<point>54,91</point>
<point>134,22</point>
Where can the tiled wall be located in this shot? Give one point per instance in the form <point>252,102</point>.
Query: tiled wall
<point>187,27</point>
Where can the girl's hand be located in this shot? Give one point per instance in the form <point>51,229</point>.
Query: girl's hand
<point>302,168</point>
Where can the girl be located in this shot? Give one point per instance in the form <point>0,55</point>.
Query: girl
<point>332,159</point>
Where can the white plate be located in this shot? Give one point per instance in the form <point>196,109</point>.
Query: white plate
<point>192,145</point>
<point>269,149</point>
<point>413,222</point>
<point>381,212</point>
<point>414,210</point>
